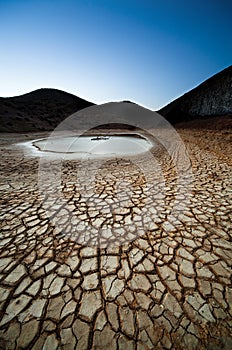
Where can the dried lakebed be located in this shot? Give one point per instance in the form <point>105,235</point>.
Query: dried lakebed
<point>166,288</point>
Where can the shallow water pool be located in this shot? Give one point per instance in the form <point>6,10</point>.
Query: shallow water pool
<point>94,145</point>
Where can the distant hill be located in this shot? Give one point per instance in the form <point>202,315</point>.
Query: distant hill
<point>39,110</point>
<point>211,98</point>
<point>44,109</point>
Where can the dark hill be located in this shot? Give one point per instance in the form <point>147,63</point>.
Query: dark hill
<point>211,98</point>
<point>38,110</point>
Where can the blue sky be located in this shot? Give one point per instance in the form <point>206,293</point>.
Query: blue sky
<point>146,51</point>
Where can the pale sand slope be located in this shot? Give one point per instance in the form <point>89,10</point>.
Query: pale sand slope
<point>167,289</point>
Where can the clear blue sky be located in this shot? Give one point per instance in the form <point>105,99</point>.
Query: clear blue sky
<point>146,51</point>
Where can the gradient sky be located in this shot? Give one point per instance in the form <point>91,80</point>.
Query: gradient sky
<point>146,51</point>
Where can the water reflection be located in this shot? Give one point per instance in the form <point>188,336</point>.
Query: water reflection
<point>100,145</point>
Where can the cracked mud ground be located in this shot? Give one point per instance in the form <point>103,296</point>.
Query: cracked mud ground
<point>168,288</point>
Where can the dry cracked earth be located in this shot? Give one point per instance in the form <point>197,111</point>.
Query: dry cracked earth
<point>162,282</point>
